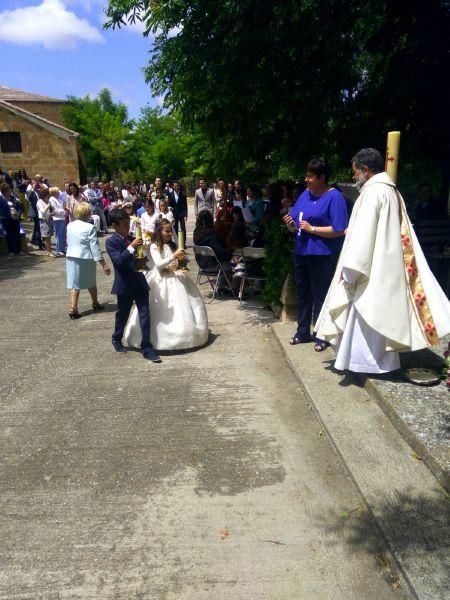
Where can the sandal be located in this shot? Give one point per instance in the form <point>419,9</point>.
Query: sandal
<point>295,339</point>
<point>320,345</point>
<point>97,306</point>
<point>73,313</point>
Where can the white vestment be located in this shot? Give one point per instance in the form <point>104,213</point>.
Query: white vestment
<point>370,312</point>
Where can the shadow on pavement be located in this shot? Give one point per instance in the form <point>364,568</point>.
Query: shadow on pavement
<point>417,525</point>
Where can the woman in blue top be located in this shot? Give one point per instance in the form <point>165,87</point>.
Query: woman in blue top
<point>318,219</point>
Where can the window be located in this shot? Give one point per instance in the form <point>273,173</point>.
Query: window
<point>10,141</point>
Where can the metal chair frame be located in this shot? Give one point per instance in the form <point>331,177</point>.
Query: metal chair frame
<point>250,253</point>
<point>212,276</point>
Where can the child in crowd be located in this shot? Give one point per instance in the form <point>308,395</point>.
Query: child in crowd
<point>165,211</point>
<point>129,284</point>
<point>149,218</point>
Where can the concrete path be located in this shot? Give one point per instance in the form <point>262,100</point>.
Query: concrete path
<point>204,477</point>
<point>410,507</point>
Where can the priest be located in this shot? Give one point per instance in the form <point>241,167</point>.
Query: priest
<point>384,298</point>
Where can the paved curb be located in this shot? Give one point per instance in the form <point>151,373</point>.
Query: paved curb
<point>438,469</point>
<point>407,504</point>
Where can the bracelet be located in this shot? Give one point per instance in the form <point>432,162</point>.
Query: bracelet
<point>313,229</point>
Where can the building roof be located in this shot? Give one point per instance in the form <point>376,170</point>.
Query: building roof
<point>54,128</point>
<point>13,95</point>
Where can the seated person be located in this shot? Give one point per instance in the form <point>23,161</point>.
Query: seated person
<point>204,235</point>
<point>240,234</point>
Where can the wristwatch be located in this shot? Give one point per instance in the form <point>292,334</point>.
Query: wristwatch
<point>313,229</point>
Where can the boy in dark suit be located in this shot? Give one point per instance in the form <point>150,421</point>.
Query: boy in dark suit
<point>129,285</point>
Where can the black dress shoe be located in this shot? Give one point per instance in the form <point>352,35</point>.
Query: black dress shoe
<point>150,354</point>
<point>118,347</point>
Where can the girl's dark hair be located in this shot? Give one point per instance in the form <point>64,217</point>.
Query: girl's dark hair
<point>43,193</point>
<point>237,210</point>
<point>157,237</point>
<point>319,166</point>
<point>204,222</point>
<point>149,203</point>
<point>75,185</point>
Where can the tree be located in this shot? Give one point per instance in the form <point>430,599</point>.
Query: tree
<point>104,131</point>
<point>270,83</point>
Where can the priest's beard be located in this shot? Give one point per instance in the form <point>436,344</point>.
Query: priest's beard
<point>360,182</point>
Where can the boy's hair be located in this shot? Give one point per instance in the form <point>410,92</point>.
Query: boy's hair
<point>117,215</point>
<point>157,238</point>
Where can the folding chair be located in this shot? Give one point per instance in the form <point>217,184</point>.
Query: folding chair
<point>249,254</point>
<point>213,274</point>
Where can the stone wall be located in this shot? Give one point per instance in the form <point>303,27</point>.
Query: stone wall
<point>47,110</point>
<point>42,151</point>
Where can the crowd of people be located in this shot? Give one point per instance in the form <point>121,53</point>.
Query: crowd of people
<point>239,212</point>
<point>229,217</point>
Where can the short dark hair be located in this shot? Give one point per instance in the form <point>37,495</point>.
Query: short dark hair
<point>117,215</point>
<point>5,188</point>
<point>370,158</point>
<point>319,166</point>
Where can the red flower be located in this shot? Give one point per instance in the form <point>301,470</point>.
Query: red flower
<point>430,329</point>
<point>420,299</point>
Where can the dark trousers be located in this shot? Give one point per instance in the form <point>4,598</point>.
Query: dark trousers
<point>36,239</point>
<point>313,275</point>
<point>180,223</point>
<point>124,305</point>
<point>12,230</point>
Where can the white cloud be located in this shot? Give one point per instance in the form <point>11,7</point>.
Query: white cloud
<point>50,24</point>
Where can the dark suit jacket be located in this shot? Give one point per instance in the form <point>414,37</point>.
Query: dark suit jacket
<point>127,281</point>
<point>180,208</point>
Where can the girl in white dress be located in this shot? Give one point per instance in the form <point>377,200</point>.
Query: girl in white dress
<point>178,318</point>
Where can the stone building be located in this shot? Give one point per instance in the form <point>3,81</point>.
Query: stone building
<point>33,137</point>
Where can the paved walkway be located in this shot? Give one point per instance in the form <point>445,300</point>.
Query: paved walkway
<point>204,477</point>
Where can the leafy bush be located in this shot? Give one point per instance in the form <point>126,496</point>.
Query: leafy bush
<point>278,262</point>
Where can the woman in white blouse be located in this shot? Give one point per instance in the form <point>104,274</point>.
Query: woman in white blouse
<point>45,211</point>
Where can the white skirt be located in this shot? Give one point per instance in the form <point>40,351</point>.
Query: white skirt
<point>178,319</point>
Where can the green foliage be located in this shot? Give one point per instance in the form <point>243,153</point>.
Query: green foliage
<point>157,146</point>
<point>104,131</point>
<point>278,261</point>
<point>270,83</point>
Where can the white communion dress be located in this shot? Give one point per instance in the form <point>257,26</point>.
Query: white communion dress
<point>178,318</point>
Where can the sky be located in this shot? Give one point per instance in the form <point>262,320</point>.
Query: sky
<point>58,48</point>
